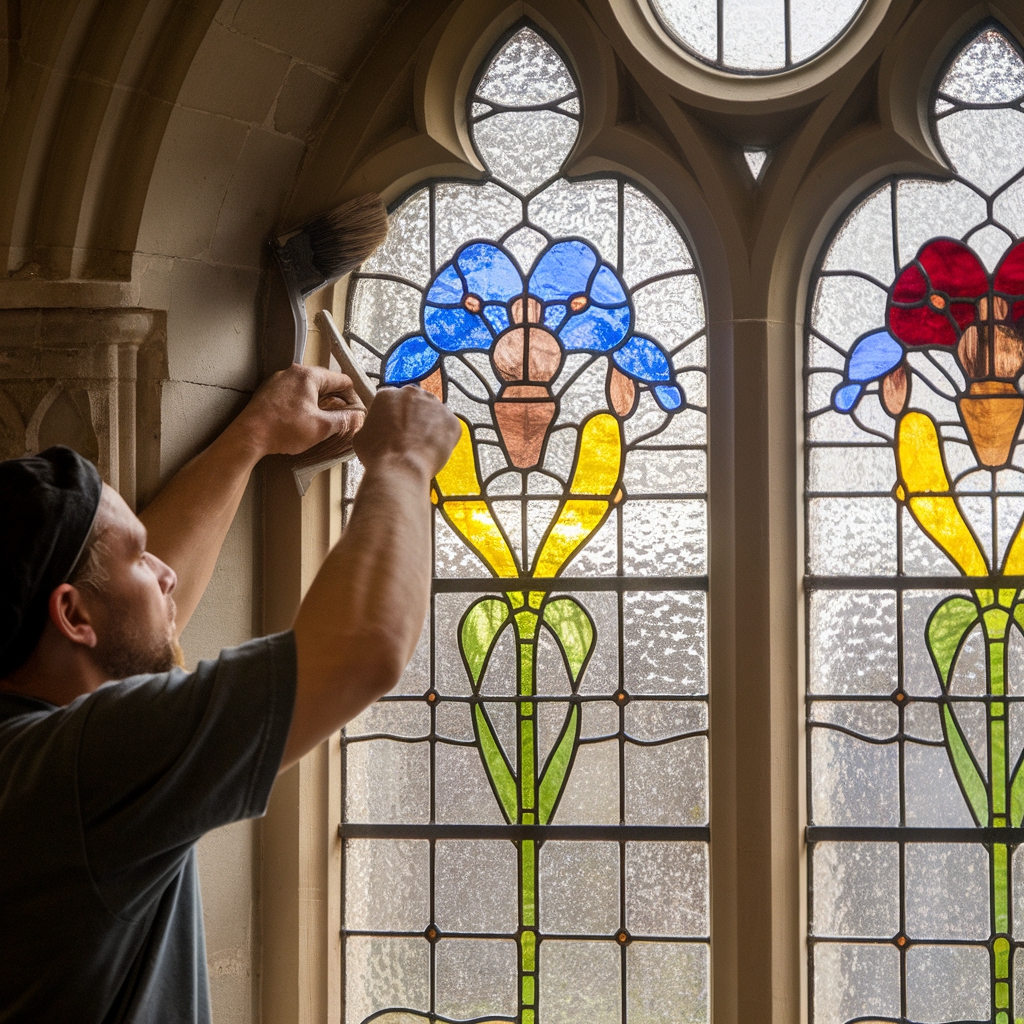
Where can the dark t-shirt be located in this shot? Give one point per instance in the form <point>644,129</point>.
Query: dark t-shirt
<point>100,805</point>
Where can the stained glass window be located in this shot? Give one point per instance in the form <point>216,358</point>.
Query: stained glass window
<point>915,563</point>
<point>526,816</point>
<point>753,37</point>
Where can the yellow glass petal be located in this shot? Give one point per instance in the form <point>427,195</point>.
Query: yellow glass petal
<point>577,520</point>
<point>458,475</point>
<point>474,521</point>
<point>600,456</point>
<point>1014,564</point>
<point>920,465</point>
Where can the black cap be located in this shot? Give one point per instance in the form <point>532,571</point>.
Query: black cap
<point>48,503</point>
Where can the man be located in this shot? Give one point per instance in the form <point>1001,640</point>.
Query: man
<point>105,786</point>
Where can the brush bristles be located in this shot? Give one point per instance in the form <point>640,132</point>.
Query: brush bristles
<point>345,237</point>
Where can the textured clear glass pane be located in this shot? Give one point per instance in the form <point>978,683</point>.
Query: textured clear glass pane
<point>846,307</point>
<point>667,889</point>
<point>475,886</point>
<point>871,719</point>
<point>927,209</point>
<point>864,242</point>
<point>463,212</point>
<point>452,556</point>
<point>853,782</point>
<point>931,791</point>
<point>965,136</point>
<point>464,795</point>
<point>454,721</point>
<point>851,469</point>
<point>1008,208</point>
<point>580,981</point>
<point>602,675</point>
<point>381,971</point>
<point>450,677</point>
<point>579,888</point>
<point>667,784</point>
<point>476,978</point>
<point>665,646</point>
<point>651,244</point>
<point>693,22</point>
<point>671,310</point>
<point>852,536</point>
<point>947,891</point>
<point>525,72</point>
<point>853,642</point>
<point>754,34</point>
<point>667,983</point>
<point>591,795</point>
<point>525,245</point>
<point>855,982</point>
<point>856,889</point>
<point>1018,897</point>
<point>406,250</point>
<point>948,983</point>
<point>989,70</point>
<point>665,471</point>
<point>581,209</point>
<point>387,884</point>
<point>381,312</point>
<point>664,538</point>
<point>990,244</point>
<point>813,25</point>
<point>599,719</point>
<point>387,781</point>
<point>499,140</point>
<point>653,720</point>
<point>396,718</point>
<point>921,721</point>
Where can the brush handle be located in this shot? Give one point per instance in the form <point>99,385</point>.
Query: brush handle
<point>296,297</point>
<point>330,452</point>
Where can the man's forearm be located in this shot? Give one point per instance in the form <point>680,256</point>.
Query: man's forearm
<point>188,521</point>
<point>361,619</point>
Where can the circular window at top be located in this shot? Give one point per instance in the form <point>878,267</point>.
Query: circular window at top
<point>755,37</point>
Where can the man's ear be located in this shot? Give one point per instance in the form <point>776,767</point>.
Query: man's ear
<point>70,614</point>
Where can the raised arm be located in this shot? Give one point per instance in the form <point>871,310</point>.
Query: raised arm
<point>188,521</point>
<point>359,622</point>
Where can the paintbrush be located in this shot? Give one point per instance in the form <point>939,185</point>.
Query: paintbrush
<point>327,453</point>
<point>312,257</point>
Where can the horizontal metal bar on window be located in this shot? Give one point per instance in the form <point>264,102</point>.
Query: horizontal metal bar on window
<point>514,833</point>
<point>881,834</point>
<point>567,584</point>
<point>913,583</point>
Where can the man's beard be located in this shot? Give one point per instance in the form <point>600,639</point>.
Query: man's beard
<point>126,651</point>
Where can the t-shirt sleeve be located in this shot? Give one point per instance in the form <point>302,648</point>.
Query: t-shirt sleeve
<point>165,758</point>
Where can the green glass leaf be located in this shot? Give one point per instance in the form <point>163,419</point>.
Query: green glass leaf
<point>480,628</point>
<point>556,771</point>
<point>574,630</point>
<point>949,624</point>
<point>965,767</point>
<point>498,769</point>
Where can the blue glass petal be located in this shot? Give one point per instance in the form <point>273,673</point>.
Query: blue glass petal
<point>497,316</point>
<point>596,329</point>
<point>410,360</point>
<point>454,329</point>
<point>607,288</point>
<point>489,272</point>
<point>563,271</point>
<point>554,315</point>
<point>844,398</point>
<point>668,396</point>
<point>644,359</point>
<point>874,355</point>
<point>447,287</point>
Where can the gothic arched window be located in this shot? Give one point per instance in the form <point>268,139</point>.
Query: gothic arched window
<point>915,562</point>
<point>526,817</point>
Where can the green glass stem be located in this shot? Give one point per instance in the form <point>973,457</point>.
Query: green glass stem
<point>996,621</point>
<point>526,639</point>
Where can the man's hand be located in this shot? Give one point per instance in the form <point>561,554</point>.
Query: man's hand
<point>410,424</point>
<point>298,408</point>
